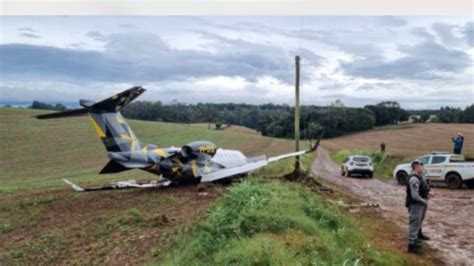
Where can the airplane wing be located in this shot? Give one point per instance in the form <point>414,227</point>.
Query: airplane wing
<point>255,163</point>
<point>251,165</point>
<point>288,155</point>
<point>227,172</point>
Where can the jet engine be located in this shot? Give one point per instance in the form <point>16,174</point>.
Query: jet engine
<point>198,150</point>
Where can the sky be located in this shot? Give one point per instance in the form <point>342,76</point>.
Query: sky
<point>422,62</point>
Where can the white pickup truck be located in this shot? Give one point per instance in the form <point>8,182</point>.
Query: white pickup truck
<point>452,169</point>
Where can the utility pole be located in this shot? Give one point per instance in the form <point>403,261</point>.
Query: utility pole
<point>297,115</point>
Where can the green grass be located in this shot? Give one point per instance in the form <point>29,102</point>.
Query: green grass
<point>45,248</point>
<point>37,154</point>
<point>35,201</point>
<point>384,163</point>
<point>261,222</point>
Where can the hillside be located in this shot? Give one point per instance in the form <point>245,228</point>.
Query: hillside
<point>414,140</point>
<point>257,221</point>
<point>38,153</point>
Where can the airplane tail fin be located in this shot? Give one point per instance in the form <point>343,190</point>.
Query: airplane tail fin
<point>109,124</point>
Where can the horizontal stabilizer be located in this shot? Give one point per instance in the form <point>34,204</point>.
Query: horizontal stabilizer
<point>116,102</point>
<point>113,167</point>
<point>76,112</point>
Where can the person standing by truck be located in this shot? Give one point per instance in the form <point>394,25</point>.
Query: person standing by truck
<point>458,143</point>
<point>417,204</point>
<point>382,147</point>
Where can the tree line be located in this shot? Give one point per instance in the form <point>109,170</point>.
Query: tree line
<point>277,120</point>
<point>271,119</point>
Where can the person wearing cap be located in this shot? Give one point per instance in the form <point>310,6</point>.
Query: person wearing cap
<point>417,204</point>
<point>458,142</point>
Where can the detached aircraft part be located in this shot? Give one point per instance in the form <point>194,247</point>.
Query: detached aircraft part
<point>119,185</point>
<point>199,160</point>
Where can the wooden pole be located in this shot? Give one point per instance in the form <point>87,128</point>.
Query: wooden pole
<point>297,114</point>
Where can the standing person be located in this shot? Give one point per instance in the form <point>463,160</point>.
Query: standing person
<point>417,204</point>
<point>458,143</point>
<point>382,147</point>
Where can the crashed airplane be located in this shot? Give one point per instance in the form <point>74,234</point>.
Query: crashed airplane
<point>201,161</point>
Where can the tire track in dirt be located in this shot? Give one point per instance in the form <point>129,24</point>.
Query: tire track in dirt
<point>449,220</point>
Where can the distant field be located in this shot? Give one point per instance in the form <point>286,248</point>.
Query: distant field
<point>232,128</point>
<point>407,141</point>
<point>38,153</point>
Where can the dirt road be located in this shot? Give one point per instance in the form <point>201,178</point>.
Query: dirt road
<point>449,220</point>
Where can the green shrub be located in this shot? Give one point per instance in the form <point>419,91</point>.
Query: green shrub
<point>262,222</point>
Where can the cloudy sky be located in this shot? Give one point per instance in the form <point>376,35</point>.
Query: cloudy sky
<point>422,62</point>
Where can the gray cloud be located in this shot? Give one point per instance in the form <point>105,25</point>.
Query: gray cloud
<point>127,26</point>
<point>144,57</point>
<point>423,34</point>
<point>429,50</point>
<point>445,33</point>
<point>28,33</point>
<point>26,29</point>
<point>391,21</point>
<point>96,35</point>
<point>468,32</point>
<point>425,61</point>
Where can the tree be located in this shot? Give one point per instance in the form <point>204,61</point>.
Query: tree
<point>387,113</point>
<point>312,130</point>
<point>467,115</point>
<point>45,106</point>
<point>449,115</point>
<point>424,117</point>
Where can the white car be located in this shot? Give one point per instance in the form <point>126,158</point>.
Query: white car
<point>452,169</point>
<point>357,165</point>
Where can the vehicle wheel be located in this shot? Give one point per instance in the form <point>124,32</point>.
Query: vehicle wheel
<point>371,175</point>
<point>453,181</point>
<point>402,177</point>
<point>348,174</point>
<point>469,183</point>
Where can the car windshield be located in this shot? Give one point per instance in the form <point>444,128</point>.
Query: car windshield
<point>361,159</point>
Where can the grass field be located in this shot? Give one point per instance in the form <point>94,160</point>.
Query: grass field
<point>38,153</point>
<point>404,140</point>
